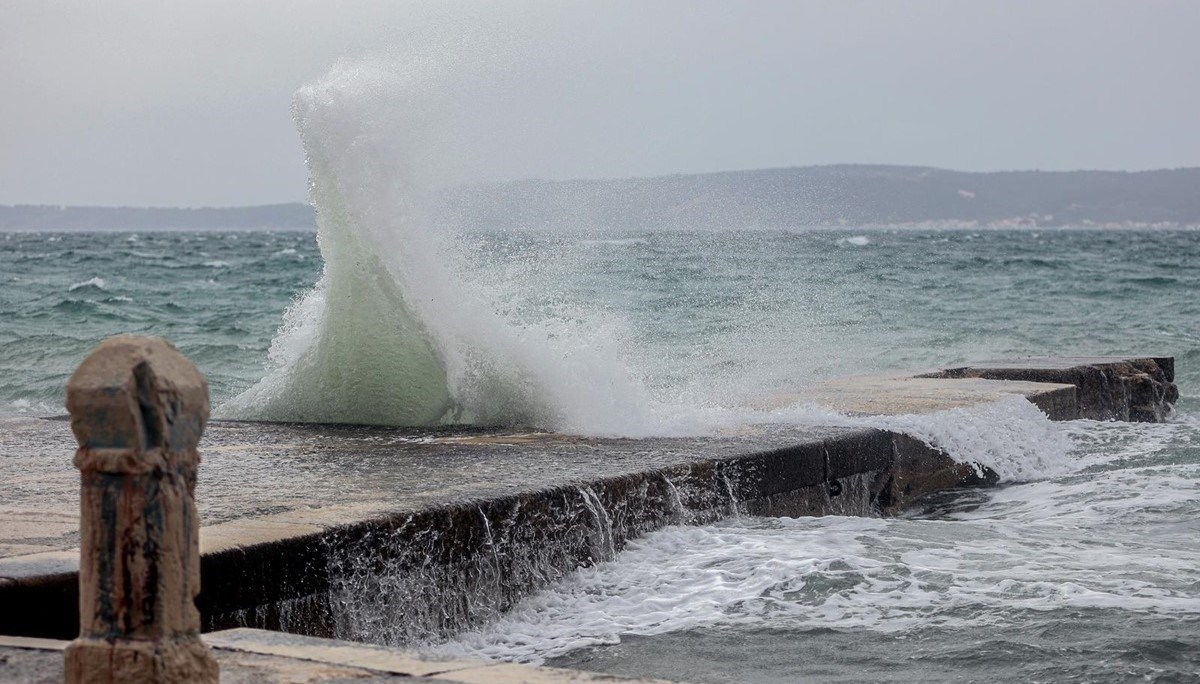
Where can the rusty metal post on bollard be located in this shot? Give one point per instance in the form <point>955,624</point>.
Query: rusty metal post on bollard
<point>137,409</point>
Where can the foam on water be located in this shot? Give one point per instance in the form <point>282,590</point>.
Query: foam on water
<point>31,408</point>
<point>1106,539</point>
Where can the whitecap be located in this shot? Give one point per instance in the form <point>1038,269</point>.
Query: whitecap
<point>97,283</point>
<point>27,407</point>
<point>615,242</point>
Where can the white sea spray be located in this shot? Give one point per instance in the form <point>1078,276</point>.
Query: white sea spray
<point>395,332</point>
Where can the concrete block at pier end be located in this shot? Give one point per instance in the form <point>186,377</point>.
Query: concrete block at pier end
<point>1139,389</point>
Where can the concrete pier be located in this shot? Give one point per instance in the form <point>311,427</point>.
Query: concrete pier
<point>391,535</point>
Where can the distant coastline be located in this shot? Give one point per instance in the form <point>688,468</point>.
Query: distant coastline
<point>840,195</point>
<point>40,217</point>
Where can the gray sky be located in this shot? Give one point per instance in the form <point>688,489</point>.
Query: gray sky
<point>188,103</point>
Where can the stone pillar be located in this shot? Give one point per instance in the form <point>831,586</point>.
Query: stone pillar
<point>137,409</point>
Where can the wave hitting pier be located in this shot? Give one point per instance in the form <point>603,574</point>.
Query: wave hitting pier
<point>400,536</point>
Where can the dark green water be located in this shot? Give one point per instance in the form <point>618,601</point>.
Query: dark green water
<point>217,296</point>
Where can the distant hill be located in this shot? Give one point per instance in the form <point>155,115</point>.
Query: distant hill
<point>54,218</point>
<point>855,195</point>
<point>839,195</point>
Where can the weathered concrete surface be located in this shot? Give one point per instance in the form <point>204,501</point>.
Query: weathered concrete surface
<point>1107,387</point>
<point>889,395</point>
<point>397,535</point>
<point>254,656</point>
<point>138,408</point>
<point>395,661</point>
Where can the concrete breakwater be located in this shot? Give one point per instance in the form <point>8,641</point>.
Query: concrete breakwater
<point>399,536</point>
<point>1139,390</point>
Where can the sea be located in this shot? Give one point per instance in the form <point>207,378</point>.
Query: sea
<point>1083,565</point>
<point>1091,573</point>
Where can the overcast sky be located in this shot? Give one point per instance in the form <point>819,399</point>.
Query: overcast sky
<point>188,103</point>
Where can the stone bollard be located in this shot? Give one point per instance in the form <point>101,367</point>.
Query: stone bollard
<point>137,409</point>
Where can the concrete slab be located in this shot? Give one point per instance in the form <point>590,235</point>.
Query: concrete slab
<point>237,534</point>
<point>508,673</point>
<point>887,395</point>
<point>1164,364</point>
<point>28,525</point>
<point>31,643</point>
<point>8,550</point>
<point>42,564</point>
<point>1106,387</point>
<point>247,655</point>
<point>329,651</point>
<point>296,479</point>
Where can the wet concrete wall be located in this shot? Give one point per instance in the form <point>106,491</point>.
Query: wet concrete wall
<point>419,576</point>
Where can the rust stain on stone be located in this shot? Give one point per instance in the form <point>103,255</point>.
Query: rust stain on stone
<point>138,408</point>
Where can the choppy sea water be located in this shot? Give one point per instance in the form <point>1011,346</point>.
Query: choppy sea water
<point>706,317</point>
<point>1091,574</point>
